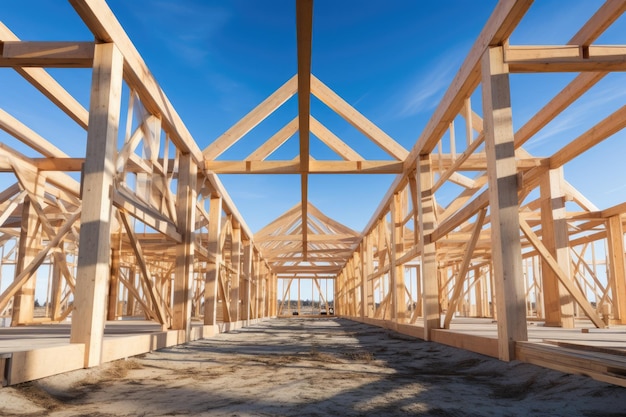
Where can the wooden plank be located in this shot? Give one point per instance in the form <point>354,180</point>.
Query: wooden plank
<point>213,268</point>
<point>49,87</point>
<point>97,181</point>
<point>148,286</point>
<point>460,277</point>
<point>568,58</point>
<point>46,54</point>
<point>617,267</point>
<point>503,203</point>
<point>315,167</point>
<point>356,119</point>
<point>186,197</point>
<point>304,35</point>
<point>33,364</point>
<point>249,121</point>
<point>236,263</point>
<point>124,201</point>
<point>558,307</point>
<point>396,271</point>
<point>428,249</point>
<point>17,283</point>
<point>563,278</point>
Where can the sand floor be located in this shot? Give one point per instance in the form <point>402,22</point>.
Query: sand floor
<point>314,367</point>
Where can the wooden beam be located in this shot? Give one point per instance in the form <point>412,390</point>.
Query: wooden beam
<point>558,307</point>
<point>157,310</point>
<point>250,120</point>
<point>95,247</point>
<point>46,54</point>
<point>213,268</point>
<point>186,197</point>
<point>503,203</point>
<point>428,249</point>
<point>315,167</point>
<point>567,58</point>
<point>563,278</point>
<point>617,267</point>
<point>125,201</point>
<point>17,283</point>
<point>304,35</point>
<point>236,264</point>
<point>460,277</point>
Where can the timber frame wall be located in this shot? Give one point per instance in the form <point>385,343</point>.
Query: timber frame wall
<point>160,237</point>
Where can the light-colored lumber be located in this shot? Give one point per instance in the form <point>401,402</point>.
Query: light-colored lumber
<point>460,278</point>
<point>558,308</point>
<point>564,279</point>
<point>428,249</point>
<point>95,247</point>
<point>503,203</point>
<point>186,197</point>
<point>157,311</point>
<point>213,268</point>
<point>47,54</point>
<point>617,267</point>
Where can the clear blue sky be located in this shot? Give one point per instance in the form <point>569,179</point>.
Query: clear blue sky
<point>392,60</point>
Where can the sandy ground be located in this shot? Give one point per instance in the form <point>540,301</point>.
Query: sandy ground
<point>314,367</point>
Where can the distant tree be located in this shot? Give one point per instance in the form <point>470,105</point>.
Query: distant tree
<point>37,302</point>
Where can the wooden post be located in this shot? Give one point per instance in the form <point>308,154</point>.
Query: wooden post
<point>558,307</point>
<point>186,196</point>
<point>427,220</point>
<point>114,283</point>
<point>504,207</point>
<point>236,261</point>
<point>247,275</point>
<point>396,272</point>
<point>213,267</point>
<point>30,238</point>
<point>130,304</point>
<point>57,289</point>
<point>95,241</point>
<point>617,271</point>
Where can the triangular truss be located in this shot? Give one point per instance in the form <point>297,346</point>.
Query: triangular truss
<point>330,244</point>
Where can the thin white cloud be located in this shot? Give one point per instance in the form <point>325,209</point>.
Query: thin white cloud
<point>189,29</point>
<point>579,115</point>
<point>427,86</point>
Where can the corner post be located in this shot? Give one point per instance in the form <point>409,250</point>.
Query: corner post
<point>94,254</point>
